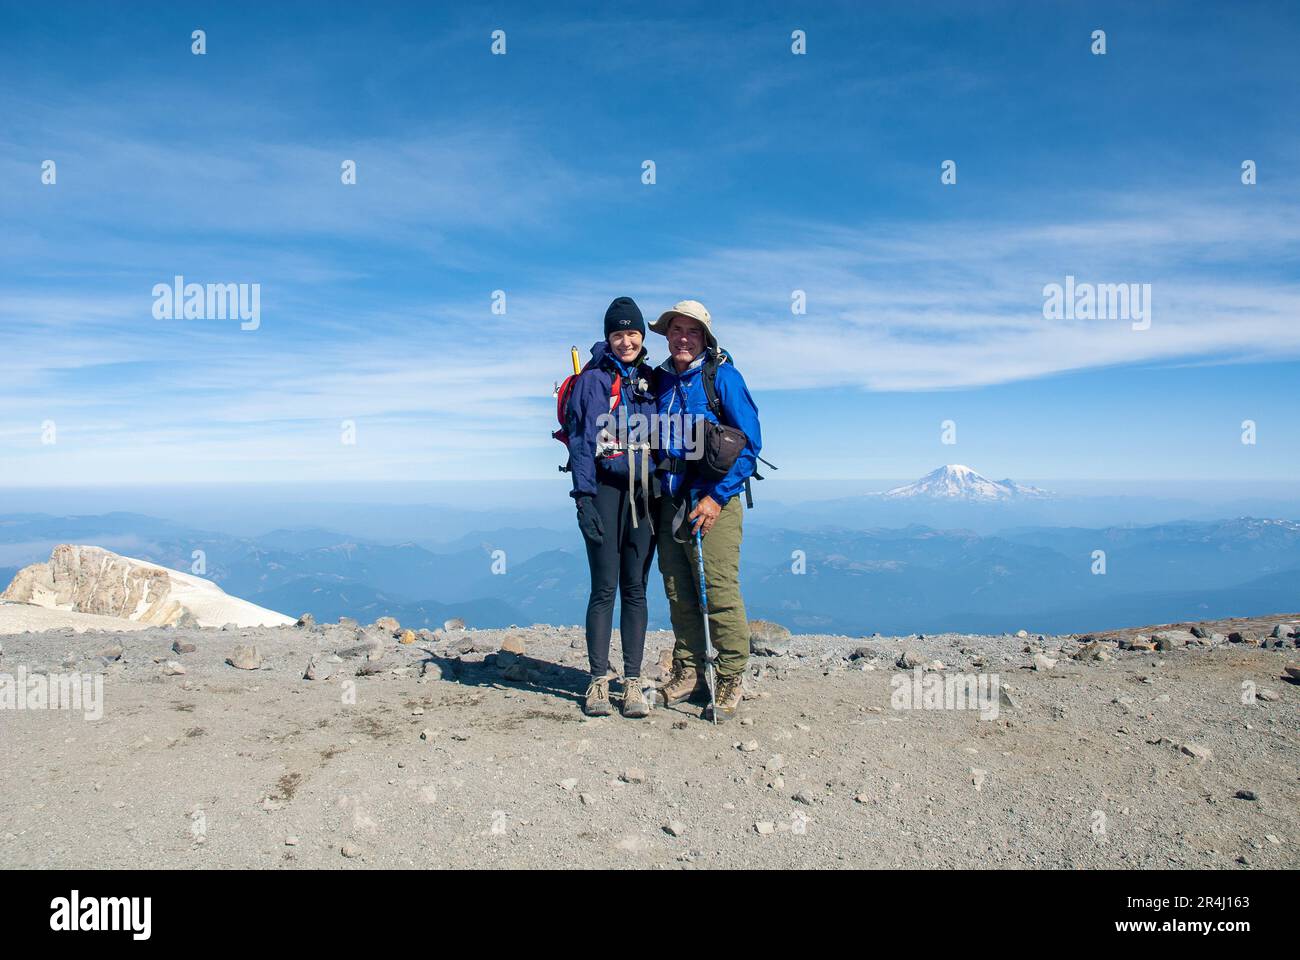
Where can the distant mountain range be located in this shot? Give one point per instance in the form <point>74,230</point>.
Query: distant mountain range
<point>958,482</point>
<point>829,578</point>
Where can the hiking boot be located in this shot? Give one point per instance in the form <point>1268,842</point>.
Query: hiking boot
<point>683,683</point>
<point>727,698</point>
<point>634,702</point>
<point>597,703</point>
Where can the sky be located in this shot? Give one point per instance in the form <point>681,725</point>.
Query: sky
<point>775,172</point>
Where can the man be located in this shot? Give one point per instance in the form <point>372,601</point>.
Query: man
<point>693,502</point>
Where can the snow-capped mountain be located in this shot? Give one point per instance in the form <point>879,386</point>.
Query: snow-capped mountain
<point>957,482</point>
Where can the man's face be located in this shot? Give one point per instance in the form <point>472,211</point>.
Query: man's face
<point>685,339</point>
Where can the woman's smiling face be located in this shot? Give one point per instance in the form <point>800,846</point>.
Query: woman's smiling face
<point>626,344</point>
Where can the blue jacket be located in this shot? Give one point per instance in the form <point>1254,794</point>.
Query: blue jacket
<point>589,400</point>
<point>684,393</point>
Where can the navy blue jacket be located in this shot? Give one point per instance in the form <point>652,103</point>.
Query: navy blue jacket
<point>684,393</point>
<point>589,400</point>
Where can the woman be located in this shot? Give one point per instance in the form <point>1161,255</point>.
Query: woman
<point>607,423</point>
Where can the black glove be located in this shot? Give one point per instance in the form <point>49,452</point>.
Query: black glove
<point>589,521</point>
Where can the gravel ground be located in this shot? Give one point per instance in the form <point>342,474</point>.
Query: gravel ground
<point>1145,759</point>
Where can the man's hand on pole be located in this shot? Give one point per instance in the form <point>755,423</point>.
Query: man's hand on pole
<point>705,515</point>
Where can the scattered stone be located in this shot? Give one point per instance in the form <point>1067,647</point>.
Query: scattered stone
<point>674,828</point>
<point>1022,634</point>
<point>862,653</point>
<point>1196,750</point>
<point>183,646</point>
<point>1043,663</point>
<point>1201,633</point>
<point>1246,795</point>
<point>907,660</point>
<point>427,734</point>
<point>306,620</point>
<point>775,763</point>
<point>431,669</point>
<point>1282,631</point>
<point>173,669</point>
<point>389,625</point>
<point>317,669</point>
<point>632,775</point>
<point>768,639</point>
<point>586,799</point>
<point>1292,671</point>
<point>407,637</point>
<point>245,657</point>
<point>749,746</point>
<point>291,841</point>
<point>513,644</point>
<point>568,784</point>
<point>804,797</point>
<point>455,623</point>
<point>1268,696</point>
<point>350,850</point>
<point>461,735</point>
<point>765,828</point>
<point>977,777</point>
<point>110,653</point>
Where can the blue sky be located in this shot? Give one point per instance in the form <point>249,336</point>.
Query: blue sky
<point>522,173</point>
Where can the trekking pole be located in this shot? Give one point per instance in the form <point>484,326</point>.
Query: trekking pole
<point>710,654</point>
<point>573,355</point>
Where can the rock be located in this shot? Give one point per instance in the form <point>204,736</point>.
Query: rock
<point>348,622</point>
<point>431,669</point>
<point>513,644</point>
<point>774,763</point>
<point>1246,795</point>
<point>674,828</point>
<point>768,639</point>
<point>1005,699</point>
<point>862,653</point>
<point>1043,663</point>
<point>632,775</point>
<point>183,646</point>
<point>463,646</point>
<point>317,669</point>
<point>461,735</point>
<point>245,657</point>
<point>1200,633</point>
<point>1172,639</point>
<point>306,620</point>
<point>389,625</point>
<point>765,828</point>
<point>370,668</point>
<point>1293,672</point>
<point>110,653</point>
<point>804,797</point>
<point>427,734</point>
<point>455,623</point>
<point>907,660</point>
<point>586,799</point>
<point>749,747</point>
<point>1022,634</point>
<point>173,669</point>
<point>1282,631</point>
<point>350,850</point>
<point>1268,696</point>
<point>291,841</point>
<point>568,784</point>
<point>1236,636</point>
<point>1197,751</point>
<point>407,637</point>
<point>977,778</point>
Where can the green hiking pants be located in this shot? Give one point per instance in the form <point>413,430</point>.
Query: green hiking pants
<point>728,627</point>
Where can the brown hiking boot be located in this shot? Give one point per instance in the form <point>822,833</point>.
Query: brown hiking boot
<point>634,702</point>
<point>597,703</point>
<point>683,683</point>
<point>727,698</point>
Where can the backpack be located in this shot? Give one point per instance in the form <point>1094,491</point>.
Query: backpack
<point>564,393</point>
<point>709,380</point>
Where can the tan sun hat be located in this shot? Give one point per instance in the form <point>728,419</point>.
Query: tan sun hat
<point>692,309</point>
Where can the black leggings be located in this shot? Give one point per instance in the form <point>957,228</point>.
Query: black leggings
<point>622,562</point>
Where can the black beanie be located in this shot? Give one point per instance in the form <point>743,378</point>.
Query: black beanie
<point>624,314</point>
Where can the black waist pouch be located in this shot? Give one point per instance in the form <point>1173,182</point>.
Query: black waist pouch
<point>720,447</point>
